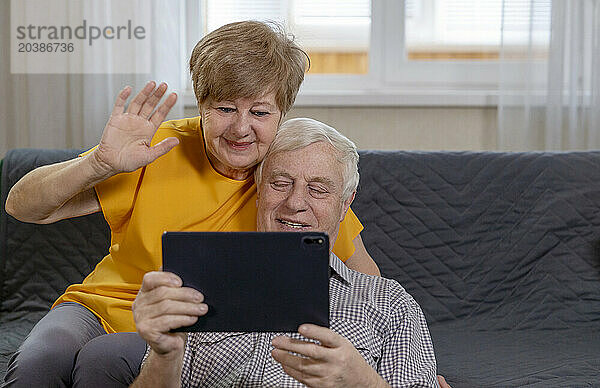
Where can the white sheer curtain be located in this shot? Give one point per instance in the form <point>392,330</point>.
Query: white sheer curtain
<point>70,110</point>
<point>550,86</point>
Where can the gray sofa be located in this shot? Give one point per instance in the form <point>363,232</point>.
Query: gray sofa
<point>501,250</point>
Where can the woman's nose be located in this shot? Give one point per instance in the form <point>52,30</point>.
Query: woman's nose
<point>241,126</point>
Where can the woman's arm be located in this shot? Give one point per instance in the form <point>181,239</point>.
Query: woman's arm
<point>360,260</point>
<point>63,190</point>
<point>54,192</point>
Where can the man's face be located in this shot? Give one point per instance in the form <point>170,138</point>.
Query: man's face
<point>302,191</point>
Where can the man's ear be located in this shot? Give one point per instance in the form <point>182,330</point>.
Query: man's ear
<point>346,205</point>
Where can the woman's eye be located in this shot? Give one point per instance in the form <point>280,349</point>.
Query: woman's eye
<point>225,109</point>
<point>259,113</point>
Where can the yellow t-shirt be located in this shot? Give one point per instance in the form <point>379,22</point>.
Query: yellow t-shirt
<point>179,191</point>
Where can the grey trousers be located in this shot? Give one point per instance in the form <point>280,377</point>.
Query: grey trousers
<point>69,347</point>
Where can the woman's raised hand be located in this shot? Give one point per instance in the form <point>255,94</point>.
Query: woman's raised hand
<point>125,144</point>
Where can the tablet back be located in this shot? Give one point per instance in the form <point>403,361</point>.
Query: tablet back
<point>253,281</point>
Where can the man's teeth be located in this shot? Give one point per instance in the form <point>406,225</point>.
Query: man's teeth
<point>292,224</point>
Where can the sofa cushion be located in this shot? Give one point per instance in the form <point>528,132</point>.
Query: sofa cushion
<point>501,252</point>
<point>517,358</point>
<point>39,261</point>
<point>503,241</point>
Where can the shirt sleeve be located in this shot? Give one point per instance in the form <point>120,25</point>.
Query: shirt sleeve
<point>408,359</point>
<point>350,228</point>
<point>117,196</point>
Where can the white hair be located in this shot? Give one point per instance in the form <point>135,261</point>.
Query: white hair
<point>298,133</point>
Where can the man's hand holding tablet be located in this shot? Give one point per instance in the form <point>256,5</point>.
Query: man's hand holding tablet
<point>162,305</point>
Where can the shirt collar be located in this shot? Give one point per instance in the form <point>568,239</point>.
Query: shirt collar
<point>336,265</point>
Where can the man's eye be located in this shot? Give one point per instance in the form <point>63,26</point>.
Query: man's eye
<point>317,191</point>
<point>279,185</point>
<point>259,113</point>
<point>226,109</point>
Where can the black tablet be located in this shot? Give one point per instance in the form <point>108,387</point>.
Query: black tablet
<point>253,281</point>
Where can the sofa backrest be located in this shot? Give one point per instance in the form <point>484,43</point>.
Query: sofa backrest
<point>37,262</point>
<point>501,240</point>
<point>504,240</point>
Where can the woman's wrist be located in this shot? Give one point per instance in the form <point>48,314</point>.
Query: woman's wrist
<point>100,169</point>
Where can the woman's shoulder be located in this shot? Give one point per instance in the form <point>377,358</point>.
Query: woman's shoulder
<point>179,128</point>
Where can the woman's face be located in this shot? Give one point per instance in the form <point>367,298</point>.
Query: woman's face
<point>238,133</point>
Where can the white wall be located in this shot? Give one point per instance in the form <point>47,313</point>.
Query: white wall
<point>408,128</point>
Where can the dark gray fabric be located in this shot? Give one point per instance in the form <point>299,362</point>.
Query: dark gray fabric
<point>48,355</point>
<point>501,252</point>
<point>69,347</point>
<point>517,358</point>
<point>37,262</point>
<point>110,360</point>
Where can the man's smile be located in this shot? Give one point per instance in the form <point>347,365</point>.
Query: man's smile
<point>292,224</point>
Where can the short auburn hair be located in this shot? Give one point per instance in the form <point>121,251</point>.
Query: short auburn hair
<point>248,59</point>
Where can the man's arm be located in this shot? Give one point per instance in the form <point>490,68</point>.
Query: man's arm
<point>408,358</point>
<point>333,363</point>
<point>63,190</point>
<point>160,371</point>
<point>361,261</point>
<point>161,305</point>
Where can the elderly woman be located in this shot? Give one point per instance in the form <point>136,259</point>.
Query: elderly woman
<point>147,177</point>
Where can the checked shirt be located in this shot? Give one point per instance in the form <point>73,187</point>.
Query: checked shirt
<point>383,322</point>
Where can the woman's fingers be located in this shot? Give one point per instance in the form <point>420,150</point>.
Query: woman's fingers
<point>121,100</point>
<point>161,113</point>
<point>144,103</point>
<point>161,148</point>
<point>140,98</point>
<point>151,102</point>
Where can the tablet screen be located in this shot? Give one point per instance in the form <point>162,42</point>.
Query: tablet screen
<point>253,281</point>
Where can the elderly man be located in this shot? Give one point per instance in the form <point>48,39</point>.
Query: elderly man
<point>378,335</point>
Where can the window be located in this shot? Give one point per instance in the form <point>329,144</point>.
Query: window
<point>472,29</point>
<point>334,33</point>
<point>374,49</point>
<point>455,44</point>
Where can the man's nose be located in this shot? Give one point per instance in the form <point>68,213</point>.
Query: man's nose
<point>296,199</point>
<point>242,125</point>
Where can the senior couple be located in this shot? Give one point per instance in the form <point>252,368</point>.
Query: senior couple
<point>147,176</point>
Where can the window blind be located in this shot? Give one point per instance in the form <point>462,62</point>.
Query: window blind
<point>475,22</point>
<point>220,12</point>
